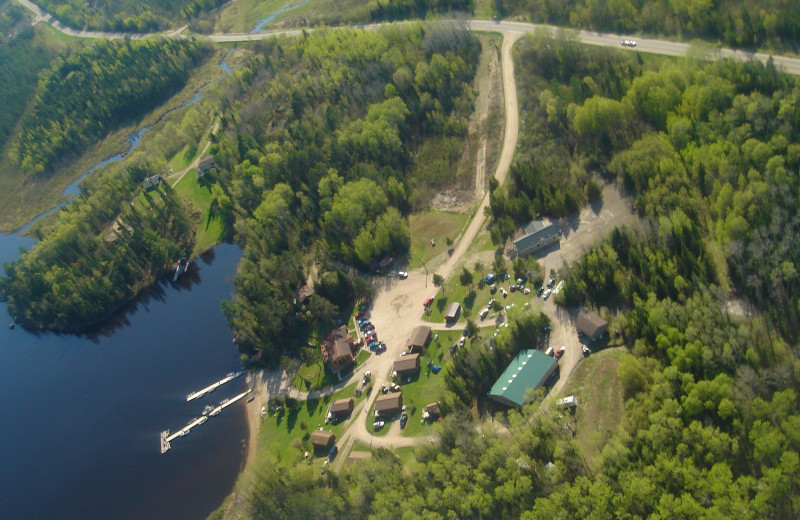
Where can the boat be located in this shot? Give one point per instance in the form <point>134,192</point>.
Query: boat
<point>215,411</point>
<point>224,401</point>
<point>202,420</point>
<point>182,263</point>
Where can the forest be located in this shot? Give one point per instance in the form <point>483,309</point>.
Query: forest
<point>22,57</point>
<point>767,23</point>
<point>101,252</point>
<point>134,16</point>
<point>711,421</point>
<point>317,160</point>
<point>97,88</point>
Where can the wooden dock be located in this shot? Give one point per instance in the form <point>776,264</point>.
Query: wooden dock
<point>167,438</point>
<point>211,388</point>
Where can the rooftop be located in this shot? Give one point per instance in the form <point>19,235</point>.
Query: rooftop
<point>529,369</point>
<point>590,323</point>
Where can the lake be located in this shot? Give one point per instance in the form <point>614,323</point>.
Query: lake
<point>81,415</point>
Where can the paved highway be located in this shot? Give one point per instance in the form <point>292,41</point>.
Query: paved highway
<point>790,65</point>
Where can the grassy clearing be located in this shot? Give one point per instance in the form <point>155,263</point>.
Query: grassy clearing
<point>285,434</point>
<point>210,226</point>
<point>317,375</point>
<point>601,406</point>
<point>182,158</point>
<point>427,387</point>
<point>481,244</point>
<point>433,225</point>
<point>244,15</point>
<point>474,298</point>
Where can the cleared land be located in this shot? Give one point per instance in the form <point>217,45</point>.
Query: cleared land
<point>601,405</point>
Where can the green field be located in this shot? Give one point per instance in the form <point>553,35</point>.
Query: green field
<point>474,298</point>
<point>243,15</point>
<point>284,434</point>
<point>600,403</point>
<point>436,225</point>
<point>427,387</point>
<point>211,227</point>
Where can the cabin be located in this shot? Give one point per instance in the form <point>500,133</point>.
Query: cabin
<point>355,456</point>
<point>322,439</point>
<point>152,182</point>
<point>388,404</point>
<point>407,365</point>
<point>432,411</point>
<point>342,407</point>
<point>205,165</point>
<point>419,340</point>
<point>337,349</point>
<point>535,236</point>
<point>530,369</point>
<point>453,311</point>
<point>591,325</point>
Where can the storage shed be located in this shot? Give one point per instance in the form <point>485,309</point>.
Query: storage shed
<point>591,325</point>
<point>453,311</point>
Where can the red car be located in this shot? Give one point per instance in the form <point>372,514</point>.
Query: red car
<point>371,337</point>
<point>560,352</point>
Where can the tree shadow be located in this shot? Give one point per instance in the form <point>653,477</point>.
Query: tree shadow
<point>291,417</point>
<point>469,300</point>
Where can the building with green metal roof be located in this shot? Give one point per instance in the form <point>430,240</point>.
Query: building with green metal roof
<point>529,369</point>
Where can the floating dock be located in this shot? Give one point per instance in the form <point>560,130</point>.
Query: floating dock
<point>167,438</point>
<point>196,395</point>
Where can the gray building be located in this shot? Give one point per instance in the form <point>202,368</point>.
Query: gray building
<point>538,234</point>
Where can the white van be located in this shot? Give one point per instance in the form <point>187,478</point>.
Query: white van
<point>484,312</point>
<point>549,351</point>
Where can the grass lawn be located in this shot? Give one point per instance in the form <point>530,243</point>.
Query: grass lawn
<point>210,229</point>
<point>600,402</point>
<point>243,15</point>
<point>427,387</point>
<point>317,375</point>
<point>438,225</point>
<point>182,157</point>
<point>285,434</point>
<point>473,299</point>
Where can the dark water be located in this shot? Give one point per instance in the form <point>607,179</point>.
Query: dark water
<point>81,416</point>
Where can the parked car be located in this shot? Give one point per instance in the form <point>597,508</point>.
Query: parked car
<point>403,420</point>
<point>546,294</point>
<point>586,350</point>
<point>402,275</point>
<point>560,351</point>
<point>539,291</point>
<point>513,288</point>
<point>551,281</point>
<point>377,425</point>
<point>369,328</point>
<point>371,337</point>
<point>364,324</point>
<point>484,312</point>
<point>333,452</point>
<point>526,291</point>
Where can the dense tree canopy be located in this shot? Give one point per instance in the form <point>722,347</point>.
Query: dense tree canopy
<point>96,88</point>
<point>136,16</point>
<point>767,22</point>
<point>319,153</point>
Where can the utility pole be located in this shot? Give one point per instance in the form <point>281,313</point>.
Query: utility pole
<point>426,271</point>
